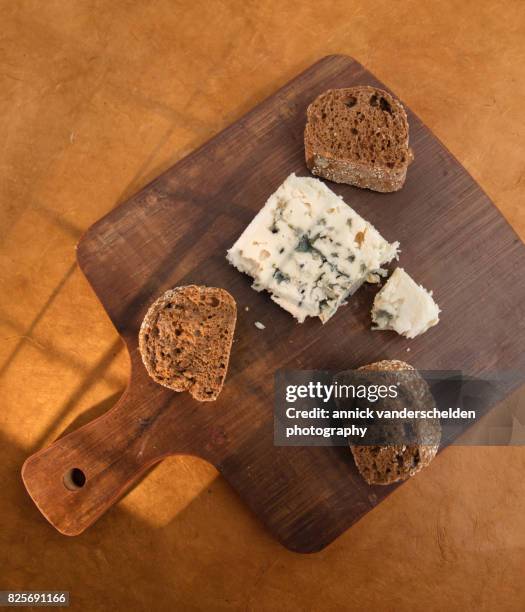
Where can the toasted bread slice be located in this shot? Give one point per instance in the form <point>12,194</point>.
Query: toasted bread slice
<point>185,339</point>
<point>359,136</point>
<point>388,464</point>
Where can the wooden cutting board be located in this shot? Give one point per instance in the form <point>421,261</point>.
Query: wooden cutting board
<point>176,232</point>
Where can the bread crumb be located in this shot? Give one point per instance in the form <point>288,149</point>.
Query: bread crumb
<point>259,325</point>
<point>246,308</point>
<point>408,350</point>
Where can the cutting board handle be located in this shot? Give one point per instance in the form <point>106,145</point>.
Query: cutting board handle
<point>77,478</point>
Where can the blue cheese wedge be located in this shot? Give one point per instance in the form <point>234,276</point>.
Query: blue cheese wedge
<point>404,306</point>
<point>309,249</point>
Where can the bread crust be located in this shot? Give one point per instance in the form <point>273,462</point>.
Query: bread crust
<point>376,159</point>
<point>384,465</point>
<point>185,339</point>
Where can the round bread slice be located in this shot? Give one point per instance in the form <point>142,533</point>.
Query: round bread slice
<point>359,136</point>
<point>385,465</point>
<point>185,339</point>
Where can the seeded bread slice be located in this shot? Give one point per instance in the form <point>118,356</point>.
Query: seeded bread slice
<point>185,339</point>
<point>359,136</point>
<point>385,465</point>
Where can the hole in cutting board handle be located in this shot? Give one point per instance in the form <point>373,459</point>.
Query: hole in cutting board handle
<point>74,479</point>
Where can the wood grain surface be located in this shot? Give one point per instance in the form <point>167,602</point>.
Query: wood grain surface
<point>176,231</point>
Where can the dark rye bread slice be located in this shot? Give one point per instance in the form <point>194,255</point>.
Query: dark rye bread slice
<point>186,337</point>
<point>385,465</point>
<point>359,136</point>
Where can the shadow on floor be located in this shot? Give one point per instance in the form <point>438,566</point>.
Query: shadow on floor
<point>122,562</point>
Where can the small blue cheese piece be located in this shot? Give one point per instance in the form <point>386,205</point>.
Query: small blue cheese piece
<point>309,249</point>
<point>404,306</point>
